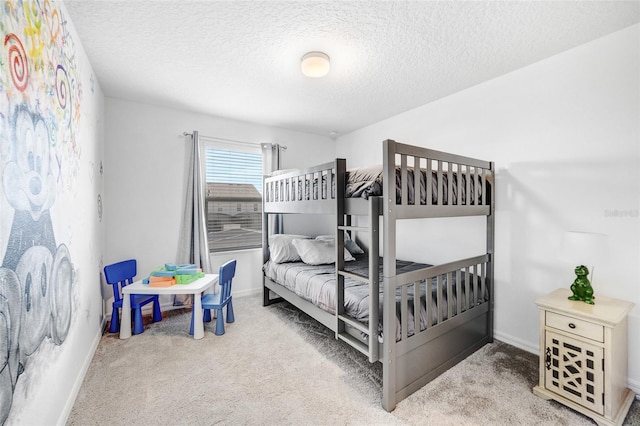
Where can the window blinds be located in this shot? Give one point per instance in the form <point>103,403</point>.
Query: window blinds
<point>233,196</point>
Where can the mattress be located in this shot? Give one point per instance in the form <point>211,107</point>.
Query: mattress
<point>317,285</point>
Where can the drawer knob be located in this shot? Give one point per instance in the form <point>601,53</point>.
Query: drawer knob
<point>572,325</point>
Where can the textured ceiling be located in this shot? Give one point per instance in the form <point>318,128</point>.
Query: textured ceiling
<point>241,59</point>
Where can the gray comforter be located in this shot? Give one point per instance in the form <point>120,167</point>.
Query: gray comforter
<point>317,284</point>
<point>367,181</point>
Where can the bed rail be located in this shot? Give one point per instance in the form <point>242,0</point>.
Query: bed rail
<point>449,184</point>
<point>310,190</point>
<point>455,316</point>
<point>461,286</point>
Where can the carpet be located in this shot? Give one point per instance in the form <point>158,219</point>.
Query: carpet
<point>276,365</point>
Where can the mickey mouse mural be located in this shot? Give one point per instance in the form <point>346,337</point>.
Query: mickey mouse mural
<point>36,274</point>
<point>40,104</point>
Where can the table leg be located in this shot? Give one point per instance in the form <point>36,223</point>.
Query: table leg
<point>198,325</point>
<point>125,323</point>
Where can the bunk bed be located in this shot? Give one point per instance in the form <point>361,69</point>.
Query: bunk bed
<point>454,300</point>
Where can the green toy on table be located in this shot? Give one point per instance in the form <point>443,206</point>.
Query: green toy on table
<point>170,274</point>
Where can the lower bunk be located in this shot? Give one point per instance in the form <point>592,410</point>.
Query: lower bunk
<point>453,301</point>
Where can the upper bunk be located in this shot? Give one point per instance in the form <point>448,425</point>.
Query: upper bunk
<point>449,185</point>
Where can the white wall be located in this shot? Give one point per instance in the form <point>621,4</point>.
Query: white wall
<point>564,134</point>
<point>56,150</point>
<point>145,163</point>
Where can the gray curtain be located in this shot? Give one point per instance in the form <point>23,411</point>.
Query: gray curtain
<point>271,163</point>
<point>194,245</point>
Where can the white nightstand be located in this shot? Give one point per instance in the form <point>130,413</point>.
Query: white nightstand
<point>583,355</point>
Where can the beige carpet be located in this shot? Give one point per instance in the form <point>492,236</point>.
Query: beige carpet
<point>275,366</point>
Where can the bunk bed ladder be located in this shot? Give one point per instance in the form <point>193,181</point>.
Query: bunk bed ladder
<point>370,330</point>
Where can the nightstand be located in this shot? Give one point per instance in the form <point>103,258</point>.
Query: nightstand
<point>583,355</point>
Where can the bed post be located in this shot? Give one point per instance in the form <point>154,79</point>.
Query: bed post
<point>389,273</point>
<point>374,278</point>
<point>265,249</point>
<point>491,231</point>
<point>340,173</point>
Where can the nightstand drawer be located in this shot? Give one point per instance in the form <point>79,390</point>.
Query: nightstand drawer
<point>575,326</point>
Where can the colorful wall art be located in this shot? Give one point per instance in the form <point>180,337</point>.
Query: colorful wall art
<point>40,96</point>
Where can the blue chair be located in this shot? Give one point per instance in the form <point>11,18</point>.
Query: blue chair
<point>120,275</point>
<point>219,300</point>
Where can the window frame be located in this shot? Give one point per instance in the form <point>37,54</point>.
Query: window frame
<point>234,146</point>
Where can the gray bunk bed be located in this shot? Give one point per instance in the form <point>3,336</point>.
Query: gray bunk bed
<point>455,300</point>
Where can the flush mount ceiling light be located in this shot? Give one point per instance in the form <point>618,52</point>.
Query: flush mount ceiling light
<point>315,64</point>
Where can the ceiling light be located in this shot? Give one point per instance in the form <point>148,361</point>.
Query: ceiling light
<point>315,64</point>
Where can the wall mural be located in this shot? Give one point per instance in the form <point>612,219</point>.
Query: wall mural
<point>40,95</point>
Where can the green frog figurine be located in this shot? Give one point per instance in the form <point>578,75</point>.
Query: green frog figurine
<point>581,286</point>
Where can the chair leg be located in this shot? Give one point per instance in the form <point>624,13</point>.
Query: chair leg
<point>138,325</point>
<point>191,326</point>
<point>230,317</point>
<point>157,313</point>
<point>114,325</point>
<point>219,323</point>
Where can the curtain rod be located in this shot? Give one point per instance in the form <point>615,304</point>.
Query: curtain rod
<point>226,140</point>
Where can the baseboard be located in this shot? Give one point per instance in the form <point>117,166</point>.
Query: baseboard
<point>66,411</point>
<point>250,292</point>
<point>518,343</point>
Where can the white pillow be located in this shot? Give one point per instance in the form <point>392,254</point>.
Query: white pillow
<point>318,252</point>
<point>281,248</point>
<point>349,244</point>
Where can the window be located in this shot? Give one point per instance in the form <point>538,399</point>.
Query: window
<point>234,182</point>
